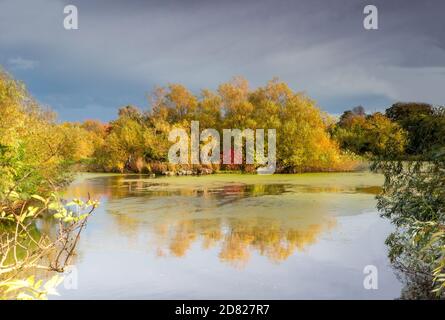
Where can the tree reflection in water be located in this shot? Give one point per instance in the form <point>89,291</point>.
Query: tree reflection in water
<point>272,218</point>
<point>237,238</point>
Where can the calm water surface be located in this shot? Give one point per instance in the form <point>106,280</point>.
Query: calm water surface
<point>232,237</point>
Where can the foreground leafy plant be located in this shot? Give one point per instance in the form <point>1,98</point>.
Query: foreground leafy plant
<point>23,248</point>
<point>30,289</point>
<point>413,198</point>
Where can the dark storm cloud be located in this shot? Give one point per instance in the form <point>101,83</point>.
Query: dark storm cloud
<point>124,48</point>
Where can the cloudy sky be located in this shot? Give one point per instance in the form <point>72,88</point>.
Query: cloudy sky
<point>122,49</point>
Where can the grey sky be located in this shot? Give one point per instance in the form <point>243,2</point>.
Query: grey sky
<point>124,48</point>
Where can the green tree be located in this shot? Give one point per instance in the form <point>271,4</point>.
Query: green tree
<point>423,123</point>
<point>413,199</point>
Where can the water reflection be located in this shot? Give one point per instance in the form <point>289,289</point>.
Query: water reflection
<point>305,236</point>
<point>112,186</point>
<point>237,238</point>
<point>272,217</point>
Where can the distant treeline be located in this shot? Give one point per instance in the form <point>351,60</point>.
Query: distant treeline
<point>137,141</point>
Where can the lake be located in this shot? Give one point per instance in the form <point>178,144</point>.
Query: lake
<point>230,236</point>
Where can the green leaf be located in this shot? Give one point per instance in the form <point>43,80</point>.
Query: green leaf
<point>37,197</point>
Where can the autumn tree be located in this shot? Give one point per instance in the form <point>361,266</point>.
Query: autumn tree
<point>372,135</point>
<point>29,137</point>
